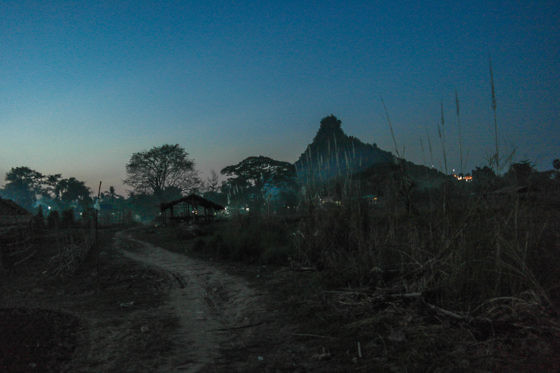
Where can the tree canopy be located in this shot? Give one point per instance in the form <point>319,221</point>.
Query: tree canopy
<point>26,186</point>
<point>23,185</point>
<point>160,168</point>
<point>71,191</point>
<point>255,178</point>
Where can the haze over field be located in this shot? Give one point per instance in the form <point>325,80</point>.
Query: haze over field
<point>86,86</point>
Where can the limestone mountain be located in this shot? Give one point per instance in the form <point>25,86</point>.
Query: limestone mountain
<point>333,153</point>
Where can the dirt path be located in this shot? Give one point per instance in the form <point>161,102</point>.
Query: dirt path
<point>147,309</point>
<point>216,311</point>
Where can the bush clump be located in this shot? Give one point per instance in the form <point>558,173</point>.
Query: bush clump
<point>250,239</point>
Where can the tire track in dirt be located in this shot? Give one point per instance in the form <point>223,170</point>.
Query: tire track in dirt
<point>212,306</point>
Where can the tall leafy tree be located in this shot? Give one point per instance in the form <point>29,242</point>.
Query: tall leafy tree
<point>112,193</point>
<point>25,186</point>
<point>252,179</point>
<point>50,186</point>
<point>21,193</point>
<point>112,198</point>
<point>160,168</point>
<point>22,186</point>
<point>72,192</point>
<point>26,176</point>
<point>521,171</point>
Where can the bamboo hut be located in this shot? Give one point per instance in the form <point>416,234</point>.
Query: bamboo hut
<point>191,208</point>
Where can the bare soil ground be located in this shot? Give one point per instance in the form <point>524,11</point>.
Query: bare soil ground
<point>146,310</point>
<point>224,323</point>
<point>107,322</point>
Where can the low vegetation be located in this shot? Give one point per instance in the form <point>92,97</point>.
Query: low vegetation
<point>455,268</point>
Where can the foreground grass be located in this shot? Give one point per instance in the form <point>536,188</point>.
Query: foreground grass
<point>369,289</point>
<point>452,278</point>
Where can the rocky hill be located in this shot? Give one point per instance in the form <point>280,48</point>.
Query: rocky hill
<point>333,153</point>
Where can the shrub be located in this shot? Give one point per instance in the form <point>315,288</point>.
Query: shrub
<point>251,239</point>
<point>39,220</point>
<point>199,245</point>
<point>53,220</point>
<point>278,255</point>
<point>67,218</point>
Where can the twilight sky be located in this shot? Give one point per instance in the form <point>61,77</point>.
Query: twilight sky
<point>86,84</point>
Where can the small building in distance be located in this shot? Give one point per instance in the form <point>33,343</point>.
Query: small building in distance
<point>192,208</point>
<point>13,215</point>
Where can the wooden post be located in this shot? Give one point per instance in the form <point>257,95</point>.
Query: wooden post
<point>96,242</point>
<point>97,212</point>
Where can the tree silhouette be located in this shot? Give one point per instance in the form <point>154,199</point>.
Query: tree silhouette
<point>67,220</point>
<point>72,192</point>
<point>39,219</point>
<point>254,177</point>
<point>112,193</point>
<point>22,185</point>
<point>160,168</point>
<point>484,178</point>
<point>53,220</point>
<point>521,170</point>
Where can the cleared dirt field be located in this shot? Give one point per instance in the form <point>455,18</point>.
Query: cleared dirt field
<point>147,309</point>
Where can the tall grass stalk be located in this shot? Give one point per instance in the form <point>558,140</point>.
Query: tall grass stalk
<point>423,151</point>
<point>390,127</point>
<point>430,149</point>
<point>478,249</point>
<point>494,109</point>
<point>458,113</point>
<point>441,134</point>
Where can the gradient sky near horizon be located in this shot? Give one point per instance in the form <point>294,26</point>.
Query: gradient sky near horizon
<point>86,84</point>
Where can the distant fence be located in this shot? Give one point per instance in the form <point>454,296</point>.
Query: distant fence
<point>16,245</point>
<point>73,246</point>
<point>68,247</point>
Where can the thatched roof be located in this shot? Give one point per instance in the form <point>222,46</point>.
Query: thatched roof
<point>12,213</point>
<point>9,207</point>
<point>193,200</point>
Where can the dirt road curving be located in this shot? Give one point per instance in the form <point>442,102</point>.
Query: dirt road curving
<point>141,308</point>
<point>216,311</point>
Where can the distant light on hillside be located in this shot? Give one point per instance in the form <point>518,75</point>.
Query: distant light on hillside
<point>467,178</point>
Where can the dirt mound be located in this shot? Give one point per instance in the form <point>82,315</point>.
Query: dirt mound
<point>36,340</point>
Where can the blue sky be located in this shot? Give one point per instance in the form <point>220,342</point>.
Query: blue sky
<point>86,84</point>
